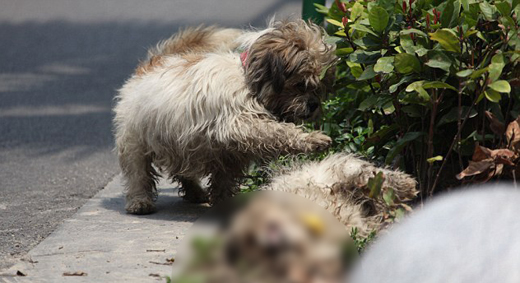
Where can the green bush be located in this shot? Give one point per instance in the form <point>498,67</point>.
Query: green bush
<point>416,80</point>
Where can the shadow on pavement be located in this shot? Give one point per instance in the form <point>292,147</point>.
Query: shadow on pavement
<point>169,205</point>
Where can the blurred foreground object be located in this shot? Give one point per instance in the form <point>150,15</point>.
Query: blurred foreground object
<point>467,236</point>
<point>265,237</point>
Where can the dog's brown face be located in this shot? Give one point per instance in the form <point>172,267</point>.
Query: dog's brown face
<point>283,69</point>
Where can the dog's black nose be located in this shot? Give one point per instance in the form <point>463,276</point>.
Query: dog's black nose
<point>313,105</point>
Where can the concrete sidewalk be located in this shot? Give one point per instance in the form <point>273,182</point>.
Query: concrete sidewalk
<point>101,243</point>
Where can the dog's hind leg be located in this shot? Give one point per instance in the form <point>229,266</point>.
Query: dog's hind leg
<point>140,177</point>
<point>225,176</point>
<point>223,186</point>
<point>192,191</point>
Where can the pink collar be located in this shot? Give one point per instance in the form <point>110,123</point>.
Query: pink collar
<point>243,58</point>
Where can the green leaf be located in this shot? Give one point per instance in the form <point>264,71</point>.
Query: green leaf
<point>447,14</point>
<point>324,71</point>
<point>503,8</point>
<point>478,73</point>
<point>381,134</point>
<point>408,44</point>
<point>364,57</point>
<point>406,63</point>
<point>464,73</point>
<point>496,66</point>
<point>400,144</point>
<point>487,10</point>
<point>344,51</point>
<point>393,88</point>
<point>433,159</point>
<point>437,84</point>
<point>384,65</point>
<point>446,39</point>
<point>334,22</point>
<point>367,74</point>
<point>414,86</point>
<point>389,197</point>
<point>422,95</point>
<point>321,9</point>
<point>470,33</point>
<point>375,184</point>
<point>453,115</point>
<point>356,11</point>
<point>439,62</point>
<point>332,39</point>
<point>360,27</point>
<point>501,86</point>
<point>415,31</point>
<point>421,51</point>
<point>378,18</point>
<point>465,4</point>
<point>493,96</point>
<point>355,69</point>
<point>368,103</point>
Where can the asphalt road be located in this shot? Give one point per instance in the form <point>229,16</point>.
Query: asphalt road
<point>60,64</point>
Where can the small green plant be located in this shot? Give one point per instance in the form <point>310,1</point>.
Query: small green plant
<point>416,78</point>
<point>361,242</point>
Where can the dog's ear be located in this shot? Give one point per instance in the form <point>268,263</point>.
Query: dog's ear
<point>277,72</point>
<point>267,69</point>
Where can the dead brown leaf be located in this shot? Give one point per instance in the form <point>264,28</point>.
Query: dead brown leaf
<point>492,173</point>
<point>502,153</point>
<point>476,168</point>
<point>481,153</point>
<point>513,133</point>
<point>496,126</point>
<point>76,273</point>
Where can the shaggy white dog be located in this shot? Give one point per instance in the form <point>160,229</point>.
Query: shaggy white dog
<point>339,184</point>
<point>198,107</point>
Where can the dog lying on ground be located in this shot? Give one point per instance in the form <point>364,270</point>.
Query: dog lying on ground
<point>339,184</point>
<point>196,107</point>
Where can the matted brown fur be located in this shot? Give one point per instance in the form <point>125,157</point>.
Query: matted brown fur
<point>187,42</point>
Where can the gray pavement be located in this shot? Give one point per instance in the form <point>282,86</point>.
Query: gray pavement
<point>60,64</point>
<point>101,243</point>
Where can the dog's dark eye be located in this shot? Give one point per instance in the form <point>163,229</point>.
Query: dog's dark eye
<point>301,86</point>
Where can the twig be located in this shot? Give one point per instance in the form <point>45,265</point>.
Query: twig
<point>466,118</point>
<point>436,100</point>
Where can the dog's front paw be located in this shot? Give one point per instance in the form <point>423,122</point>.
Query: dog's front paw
<point>317,141</point>
<point>140,206</point>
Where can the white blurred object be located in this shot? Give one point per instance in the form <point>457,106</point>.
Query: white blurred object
<point>467,236</point>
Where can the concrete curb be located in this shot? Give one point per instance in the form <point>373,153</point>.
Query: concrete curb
<point>107,244</point>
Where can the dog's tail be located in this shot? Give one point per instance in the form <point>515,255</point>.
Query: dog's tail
<point>200,39</point>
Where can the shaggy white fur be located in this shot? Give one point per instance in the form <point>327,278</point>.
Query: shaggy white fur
<point>339,184</point>
<point>193,110</point>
